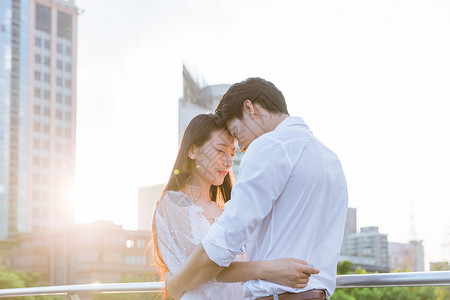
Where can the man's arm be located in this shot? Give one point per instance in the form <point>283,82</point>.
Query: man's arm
<point>285,271</point>
<point>198,269</point>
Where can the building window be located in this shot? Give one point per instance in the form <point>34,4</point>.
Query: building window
<point>37,92</point>
<point>47,111</point>
<point>46,162</point>
<point>47,60</point>
<point>60,48</point>
<point>37,75</point>
<point>58,148</point>
<point>36,144</point>
<point>37,41</point>
<point>68,133</point>
<point>35,212</point>
<point>45,196</point>
<point>36,161</point>
<point>59,81</point>
<point>68,83</point>
<point>68,99</point>
<point>46,128</point>
<point>37,109</point>
<point>37,58</point>
<point>68,51</point>
<point>36,196</point>
<point>64,25</point>
<point>59,114</point>
<point>47,44</point>
<point>43,18</point>
<point>47,94</point>
<point>47,77</point>
<point>129,244</point>
<point>45,179</point>
<point>59,98</point>
<point>58,131</point>
<point>68,116</point>
<point>68,67</point>
<point>46,145</point>
<point>59,64</point>
<point>35,178</point>
<point>37,127</point>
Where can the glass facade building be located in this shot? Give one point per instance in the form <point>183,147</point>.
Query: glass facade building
<point>37,113</point>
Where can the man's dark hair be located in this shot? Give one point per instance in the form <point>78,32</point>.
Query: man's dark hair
<point>255,89</point>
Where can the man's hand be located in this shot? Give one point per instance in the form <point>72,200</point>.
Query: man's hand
<point>290,272</point>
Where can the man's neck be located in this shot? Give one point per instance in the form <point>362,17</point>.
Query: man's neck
<point>274,121</point>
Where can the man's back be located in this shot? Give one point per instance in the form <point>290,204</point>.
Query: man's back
<point>290,200</point>
<point>307,220</point>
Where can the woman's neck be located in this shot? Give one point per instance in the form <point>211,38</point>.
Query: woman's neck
<point>197,189</point>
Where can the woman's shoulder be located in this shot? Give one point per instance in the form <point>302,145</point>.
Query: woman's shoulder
<point>176,198</point>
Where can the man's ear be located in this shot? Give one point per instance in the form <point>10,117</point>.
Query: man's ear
<point>192,152</point>
<point>248,108</point>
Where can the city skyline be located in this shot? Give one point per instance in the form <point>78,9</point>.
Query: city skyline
<point>369,79</point>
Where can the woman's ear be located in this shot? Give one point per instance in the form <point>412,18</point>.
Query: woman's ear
<point>192,152</point>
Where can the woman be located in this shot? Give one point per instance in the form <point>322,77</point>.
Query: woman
<point>198,187</point>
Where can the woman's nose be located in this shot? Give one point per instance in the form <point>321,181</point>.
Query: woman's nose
<point>228,161</point>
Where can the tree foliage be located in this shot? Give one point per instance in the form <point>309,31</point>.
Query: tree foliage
<point>386,293</point>
<point>10,279</point>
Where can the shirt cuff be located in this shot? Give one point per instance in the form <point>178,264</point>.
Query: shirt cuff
<point>215,246</point>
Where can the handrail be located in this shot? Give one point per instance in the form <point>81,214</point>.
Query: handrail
<point>436,278</point>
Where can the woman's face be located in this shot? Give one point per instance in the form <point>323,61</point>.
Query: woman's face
<point>213,160</point>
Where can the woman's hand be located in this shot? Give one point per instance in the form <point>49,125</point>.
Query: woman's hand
<point>290,272</point>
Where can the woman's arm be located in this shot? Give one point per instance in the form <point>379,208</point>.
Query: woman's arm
<point>286,271</point>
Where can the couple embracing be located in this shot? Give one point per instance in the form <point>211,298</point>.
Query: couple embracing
<point>278,229</point>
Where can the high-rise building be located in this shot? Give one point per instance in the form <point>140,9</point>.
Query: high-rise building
<point>199,99</point>
<point>38,42</point>
<point>146,202</point>
<point>350,227</point>
<point>406,257</point>
<point>368,249</point>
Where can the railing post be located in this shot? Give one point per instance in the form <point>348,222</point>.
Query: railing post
<point>73,296</point>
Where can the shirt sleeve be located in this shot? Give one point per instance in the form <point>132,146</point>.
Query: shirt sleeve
<point>263,173</point>
<point>176,222</point>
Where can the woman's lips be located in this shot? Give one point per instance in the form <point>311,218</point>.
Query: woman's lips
<point>223,173</point>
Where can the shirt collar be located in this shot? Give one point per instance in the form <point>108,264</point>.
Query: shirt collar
<point>290,121</point>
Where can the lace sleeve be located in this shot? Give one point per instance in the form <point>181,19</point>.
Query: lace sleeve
<point>178,228</point>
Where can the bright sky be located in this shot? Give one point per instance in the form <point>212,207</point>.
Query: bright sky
<point>370,78</point>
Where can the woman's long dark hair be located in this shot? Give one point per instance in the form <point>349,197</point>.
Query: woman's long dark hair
<point>197,133</point>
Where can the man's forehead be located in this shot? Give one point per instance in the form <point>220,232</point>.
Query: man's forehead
<point>231,124</point>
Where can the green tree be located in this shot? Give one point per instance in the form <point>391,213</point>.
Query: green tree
<point>10,279</point>
<point>386,293</point>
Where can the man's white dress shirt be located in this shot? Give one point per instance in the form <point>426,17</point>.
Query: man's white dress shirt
<point>290,200</point>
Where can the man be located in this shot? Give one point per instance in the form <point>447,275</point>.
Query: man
<point>290,200</point>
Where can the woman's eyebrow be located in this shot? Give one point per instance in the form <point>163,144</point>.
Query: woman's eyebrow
<point>225,145</point>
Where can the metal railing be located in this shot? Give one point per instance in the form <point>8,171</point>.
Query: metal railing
<point>441,278</point>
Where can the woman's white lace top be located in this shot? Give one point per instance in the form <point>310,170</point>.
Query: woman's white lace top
<point>180,227</point>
